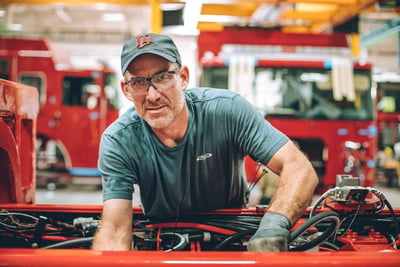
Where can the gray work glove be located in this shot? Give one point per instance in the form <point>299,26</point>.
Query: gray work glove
<point>272,234</point>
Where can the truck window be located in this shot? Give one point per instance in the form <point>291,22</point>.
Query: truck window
<point>389,97</point>
<point>111,91</point>
<point>35,80</point>
<point>303,93</point>
<point>76,90</point>
<point>4,70</point>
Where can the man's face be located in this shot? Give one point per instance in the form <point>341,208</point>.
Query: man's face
<point>162,100</point>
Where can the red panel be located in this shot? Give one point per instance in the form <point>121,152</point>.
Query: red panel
<point>74,257</point>
<point>212,41</point>
<point>19,106</point>
<point>368,250</point>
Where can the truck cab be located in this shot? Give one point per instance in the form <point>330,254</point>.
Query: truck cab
<point>76,105</point>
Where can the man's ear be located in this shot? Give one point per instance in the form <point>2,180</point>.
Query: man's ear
<point>184,75</point>
<point>126,91</point>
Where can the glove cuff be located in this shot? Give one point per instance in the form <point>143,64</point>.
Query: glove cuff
<point>263,233</point>
<point>274,219</point>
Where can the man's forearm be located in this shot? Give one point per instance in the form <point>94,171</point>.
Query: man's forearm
<point>103,240</point>
<point>115,232</point>
<point>294,194</point>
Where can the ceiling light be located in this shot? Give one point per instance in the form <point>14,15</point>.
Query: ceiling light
<point>100,6</point>
<point>15,27</point>
<point>113,17</point>
<point>220,19</point>
<point>171,6</point>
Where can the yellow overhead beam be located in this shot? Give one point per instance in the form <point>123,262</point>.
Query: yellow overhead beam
<point>344,14</point>
<point>308,16</point>
<point>315,7</point>
<point>323,21</point>
<point>156,16</point>
<point>210,26</point>
<point>295,29</point>
<point>238,10</point>
<point>332,2</point>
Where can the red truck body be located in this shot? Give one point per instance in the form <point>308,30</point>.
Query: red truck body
<point>19,107</point>
<point>76,105</point>
<point>308,86</point>
<point>205,233</point>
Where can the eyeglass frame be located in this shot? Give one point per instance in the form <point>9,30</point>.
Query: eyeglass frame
<point>149,80</point>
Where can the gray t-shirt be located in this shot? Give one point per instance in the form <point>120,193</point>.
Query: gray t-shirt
<point>204,172</point>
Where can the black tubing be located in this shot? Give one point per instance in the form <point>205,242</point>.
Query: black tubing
<point>71,243</point>
<point>323,216</point>
<point>233,237</point>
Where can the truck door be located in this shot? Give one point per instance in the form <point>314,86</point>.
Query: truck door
<point>79,122</point>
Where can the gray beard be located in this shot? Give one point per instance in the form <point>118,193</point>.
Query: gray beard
<point>163,122</point>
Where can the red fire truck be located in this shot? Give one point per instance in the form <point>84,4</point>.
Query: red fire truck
<point>76,105</point>
<point>308,86</point>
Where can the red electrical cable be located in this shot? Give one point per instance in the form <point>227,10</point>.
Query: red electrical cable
<point>192,225</point>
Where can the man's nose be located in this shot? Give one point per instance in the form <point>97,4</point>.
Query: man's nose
<point>152,92</point>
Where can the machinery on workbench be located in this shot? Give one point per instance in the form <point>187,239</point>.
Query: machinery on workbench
<point>348,217</point>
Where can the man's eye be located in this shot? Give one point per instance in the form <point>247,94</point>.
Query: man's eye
<point>138,82</point>
<point>160,77</point>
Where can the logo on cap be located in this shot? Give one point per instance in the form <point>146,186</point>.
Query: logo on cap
<point>143,40</point>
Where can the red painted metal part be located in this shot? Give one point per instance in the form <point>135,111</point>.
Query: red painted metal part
<point>329,133</point>
<point>76,257</point>
<point>213,41</point>
<point>374,241</point>
<point>19,107</point>
<point>191,225</point>
<point>97,209</point>
<point>39,58</point>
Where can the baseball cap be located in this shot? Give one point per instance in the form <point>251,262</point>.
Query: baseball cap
<point>149,43</point>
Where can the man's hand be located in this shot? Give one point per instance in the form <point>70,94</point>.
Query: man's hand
<point>272,234</point>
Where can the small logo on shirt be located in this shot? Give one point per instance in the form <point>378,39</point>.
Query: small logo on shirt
<point>204,157</point>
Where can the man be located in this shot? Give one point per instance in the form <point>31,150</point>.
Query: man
<point>185,150</point>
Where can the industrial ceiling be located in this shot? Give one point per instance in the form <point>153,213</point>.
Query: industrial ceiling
<point>132,15</point>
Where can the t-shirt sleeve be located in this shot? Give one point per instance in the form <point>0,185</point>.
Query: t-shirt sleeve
<point>255,135</point>
<point>117,176</point>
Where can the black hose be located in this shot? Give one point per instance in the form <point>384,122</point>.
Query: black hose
<point>234,237</point>
<point>329,215</point>
<point>330,245</point>
<point>323,216</point>
<point>71,243</point>
<point>395,221</point>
